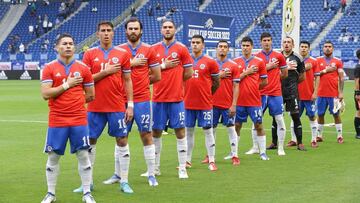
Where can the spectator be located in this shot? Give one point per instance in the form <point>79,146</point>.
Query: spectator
<point>133,12</point>
<point>312,24</point>
<point>343,6</point>
<point>158,6</point>
<point>45,23</point>
<point>37,31</point>
<point>21,48</point>
<point>31,29</point>
<point>46,2</point>
<point>33,9</point>
<point>57,22</point>
<point>94,9</point>
<point>172,10</point>
<point>50,26</point>
<point>326,5</point>
<point>150,11</point>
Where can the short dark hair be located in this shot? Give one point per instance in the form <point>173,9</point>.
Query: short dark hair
<point>168,20</point>
<point>292,40</point>
<point>247,39</point>
<point>63,35</point>
<point>132,20</point>
<point>198,37</point>
<point>264,35</point>
<point>305,42</point>
<point>104,23</point>
<point>358,54</point>
<point>328,42</point>
<point>222,41</point>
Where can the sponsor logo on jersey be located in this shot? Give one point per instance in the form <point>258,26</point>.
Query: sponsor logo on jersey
<point>58,74</point>
<point>115,60</point>
<point>3,75</point>
<point>96,59</point>
<point>25,76</point>
<point>141,56</point>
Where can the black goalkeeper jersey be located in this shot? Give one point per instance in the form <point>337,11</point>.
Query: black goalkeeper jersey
<point>289,85</point>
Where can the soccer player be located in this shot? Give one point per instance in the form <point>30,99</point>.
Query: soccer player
<point>225,98</point>
<point>331,89</point>
<point>110,67</point>
<point>68,85</point>
<point>168,93</point>
<point>271,96</point>
<point>296,74</point>
<point>307,93</point>
<point>357,96</point>
<point>198,100</point>
<point>143,61</point>
<point>253,77</point>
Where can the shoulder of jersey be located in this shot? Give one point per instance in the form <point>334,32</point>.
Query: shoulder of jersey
<point>81,63</point>
<point>92,49</point>
<point>156,44</point>
<point>51,62</point>
<point>337,58</point>
<point>312,58</point>
<point>181,44</point>
<point>236,59</point>
<point>258,58</point>
<point>298,55</point>
<point>232,61</point>
<point>208,57</point>
<point>320,57</point>
<point>122,45</point>
<point>120,49</point>
<point>145,44</point>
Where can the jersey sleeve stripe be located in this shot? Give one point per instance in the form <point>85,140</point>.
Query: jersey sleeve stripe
<point>215,74</point>
<point>263,76</point>
<point>187,65</point>
<point>317,73</point>
<point>282,67</point>
<point>154,65</point>
<point>89,84</point>
<point>236,80</point>
<point>126,71</point>
<point>46,81</point>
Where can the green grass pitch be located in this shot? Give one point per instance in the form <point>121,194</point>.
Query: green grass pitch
<point>329,173</point>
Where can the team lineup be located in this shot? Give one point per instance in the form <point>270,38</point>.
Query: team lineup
<point>189,88</point>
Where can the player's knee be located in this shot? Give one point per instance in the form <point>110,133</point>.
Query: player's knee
<point>121,141</point>
<point>83,159</point>
<point>206,128</point>
<point>53,161</point>
<point>279,119</point>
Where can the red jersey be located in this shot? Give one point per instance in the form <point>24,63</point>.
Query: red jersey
<point>198,94</point>
<point>249,93</point>
<point>224,94</point>
<point>170,87</point>
<point>306,87</point>
<point>67,109</point>
<point>140,74</point>
<point>109,90</point>
<point>273,88</point>
<point>328,86</point>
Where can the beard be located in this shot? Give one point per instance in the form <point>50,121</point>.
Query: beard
<point>133,37</point>
<point>168,37</point>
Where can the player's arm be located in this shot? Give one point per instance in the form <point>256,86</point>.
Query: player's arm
<point>108,70</point>
<point>129,114</point>
<point>316,87</point>
<point>155,74</point>
<point>357,90</point>
<point>249,71</point>
<point>89,93</point>
<point>263,83</point>
<point>308,66</point>
<point>48,92</point>
<point>232,109</point>
<point>301,70</point>
<point>215,79</point>
<point>341,83</point>
<point>187,74</point>
<point>272,64</point>
<point>283,73</point>
<point>302,77</point>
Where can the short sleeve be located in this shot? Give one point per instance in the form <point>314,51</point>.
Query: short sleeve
<point>88,79</point>
<point>125,62</point>
<point>153,60</point>
<point>339,64</point>
<point>262,69</point>
<point>315,67</point>
<point>186,58</point>
<point>214,68</point>
<point>282,61</point>
<point>46,75</point>
<point>87,59</point>
<point>235,73</point>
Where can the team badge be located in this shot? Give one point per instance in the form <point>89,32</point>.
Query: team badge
<point>174,55</point>
<point>77,74</point>
<point>273,60</point>
<point>141,56</point>
<point>49,148</point>
<point>202,66</point>
<point>115,60</point>
<point>333,64</point>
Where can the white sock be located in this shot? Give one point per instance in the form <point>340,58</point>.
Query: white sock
<point>124,161</point>
<point>158,146</point>
<point>189,134</point>
<point>233,139</point>
<point>182,151</point>
<point>214,134</point>
<point>210,144</point>
<point>262,143</point>
<point>293,136</point>
<point>52,171</point>
<point>85,169</point>
<point>254,138</point>
<point>320,130</point>
<point>339,129</point>
<point>281,129</point>
<point>313,127</point>
<point>149,154</point>
<point>117,163</point>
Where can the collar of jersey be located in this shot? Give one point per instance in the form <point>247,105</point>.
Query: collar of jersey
<point>267,54</point>
<point>67,67</point>
<point>196,60</point>
<point>134,50</point>
<point>247,60</point>
<point>221,63</point>
<point>106,52</point>
<point>168,47</point>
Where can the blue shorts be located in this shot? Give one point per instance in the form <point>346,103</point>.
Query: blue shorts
<point>309,106</point>
<point>322,103</point>
<point>142,117</point>
<point>274,103</point>
<point>204,118</point>
<point>174,112</point>
<point>57,137</point>
<point>116,124</point>
<point>242,112</point>
<point>225,119</point>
